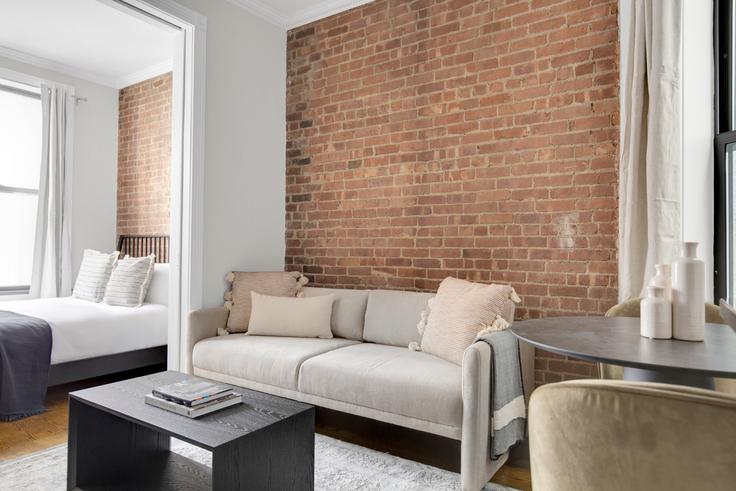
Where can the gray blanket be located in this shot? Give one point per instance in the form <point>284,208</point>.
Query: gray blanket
<point>25,356</point>
<point>508,423</point>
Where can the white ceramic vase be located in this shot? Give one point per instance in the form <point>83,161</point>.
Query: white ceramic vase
<point>663,278</point>
<point>656,314</point>
<point>688,295</point>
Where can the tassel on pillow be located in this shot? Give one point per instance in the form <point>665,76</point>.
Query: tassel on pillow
<point>499,324</point>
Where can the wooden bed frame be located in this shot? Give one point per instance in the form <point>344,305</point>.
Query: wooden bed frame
<point>71,371</point>
<point>62,373</point>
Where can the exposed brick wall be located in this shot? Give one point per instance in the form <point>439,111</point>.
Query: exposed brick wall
<point>144,157</point>
<point>475,139</point>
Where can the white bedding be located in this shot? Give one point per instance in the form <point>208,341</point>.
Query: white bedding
<point>83,329</point>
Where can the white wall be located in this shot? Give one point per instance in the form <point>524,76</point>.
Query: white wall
<point>697,138</point>
<point>245,145</point>
<point>94,182</point>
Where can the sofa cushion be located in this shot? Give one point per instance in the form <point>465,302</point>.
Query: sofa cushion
<point>291,317</point>
<point>387,378</point>
<point>265,359</point>
<point>348,310</point>
<point>238,299</point>
<point>392,317</point>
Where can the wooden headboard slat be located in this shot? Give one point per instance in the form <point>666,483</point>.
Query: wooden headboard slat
<point>143,245</point>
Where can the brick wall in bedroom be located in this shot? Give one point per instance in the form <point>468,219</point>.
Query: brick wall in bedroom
<point>475,139</point>
<point>144,157</point>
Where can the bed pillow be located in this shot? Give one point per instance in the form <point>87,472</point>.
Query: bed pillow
<point>129,281</point>
<point>461,311</point>
<point>238,298</point>
<point>93,275</point>
<point>305,317</point>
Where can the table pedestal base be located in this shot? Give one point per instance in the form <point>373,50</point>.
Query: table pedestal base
<point>668,377</point>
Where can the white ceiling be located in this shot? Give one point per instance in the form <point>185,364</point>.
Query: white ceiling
<point>294,13</point>
<point>85,38</point>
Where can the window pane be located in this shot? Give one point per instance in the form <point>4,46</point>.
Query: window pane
<point>20,140</point>
<point>18,223</point>
<point>730,219</point>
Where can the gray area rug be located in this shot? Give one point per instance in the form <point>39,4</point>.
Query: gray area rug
<point>338,466</point>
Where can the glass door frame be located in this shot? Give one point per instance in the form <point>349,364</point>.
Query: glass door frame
<point>725,134</point>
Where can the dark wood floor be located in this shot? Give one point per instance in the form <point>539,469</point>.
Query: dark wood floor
<point>46,430</point>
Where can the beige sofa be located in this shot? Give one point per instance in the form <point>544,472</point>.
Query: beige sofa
<point>366,370</point>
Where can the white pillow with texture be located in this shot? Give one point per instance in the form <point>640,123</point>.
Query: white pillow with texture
<point>463,310</point>
<point>94,274</point>
<point>129,281</point>
<point>298,317</point>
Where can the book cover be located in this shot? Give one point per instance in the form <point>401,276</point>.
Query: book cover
<point>189,391</point>
<point>193,412</point>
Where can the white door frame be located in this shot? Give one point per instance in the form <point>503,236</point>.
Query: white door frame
<point>187,168</point>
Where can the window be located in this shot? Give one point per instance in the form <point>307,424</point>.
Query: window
<point>20,165</point>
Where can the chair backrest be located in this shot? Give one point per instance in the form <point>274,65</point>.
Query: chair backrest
<point>613,435</point>
<point>631,308</point>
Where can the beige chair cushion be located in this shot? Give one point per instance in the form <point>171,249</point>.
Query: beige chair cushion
<point>286,316</point>
<point>238,299</point>
<point>268,360</point>
<point>387,378</point>
<point>460,311</point>
<point>392,316</point>
<point>610,435</point>
<point>348,310</point>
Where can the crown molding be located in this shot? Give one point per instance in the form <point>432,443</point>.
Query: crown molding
<point>55,66</point>
<point>288,20</point>
<point>322,10</point>
<point>149,72</point>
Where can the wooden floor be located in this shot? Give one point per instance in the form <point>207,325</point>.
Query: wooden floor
<point>50,428</point>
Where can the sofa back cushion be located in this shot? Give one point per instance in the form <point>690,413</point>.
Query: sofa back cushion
<point>348,310</point>
<point>392,317</point>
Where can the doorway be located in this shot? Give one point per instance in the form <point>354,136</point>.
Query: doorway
<point>187,160</point>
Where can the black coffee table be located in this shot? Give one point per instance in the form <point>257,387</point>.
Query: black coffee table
<point>116,441</point>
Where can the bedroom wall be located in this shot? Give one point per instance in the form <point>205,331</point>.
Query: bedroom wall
<point>475,139</point>
<point>144,157</point>
<point>95,155</point>
<point>244,182</point>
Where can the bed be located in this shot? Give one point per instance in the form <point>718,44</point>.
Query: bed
<point>92,339</point>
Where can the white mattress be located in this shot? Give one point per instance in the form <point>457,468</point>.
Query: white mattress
<point>83,329</point>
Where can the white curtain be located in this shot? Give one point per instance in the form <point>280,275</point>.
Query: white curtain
<point>650,160</point>
<point>52,261</point>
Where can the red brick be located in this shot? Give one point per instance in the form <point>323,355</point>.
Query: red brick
<point>144,157</point>
<point>468,138</point>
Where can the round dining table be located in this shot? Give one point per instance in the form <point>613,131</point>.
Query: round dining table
<point>616,341</point>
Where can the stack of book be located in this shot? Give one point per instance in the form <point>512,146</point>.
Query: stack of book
<point>193,398</point>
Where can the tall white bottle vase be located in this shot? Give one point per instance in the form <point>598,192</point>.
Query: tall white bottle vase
<point>688,295</point>
<point>663,278</point>
<point>656,314</point>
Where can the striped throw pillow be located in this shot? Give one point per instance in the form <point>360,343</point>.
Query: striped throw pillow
<point>129,281</point>
<point>93,275</point>
<point>463,310</point>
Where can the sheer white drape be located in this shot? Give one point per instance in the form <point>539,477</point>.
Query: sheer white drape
<point>52,260</point>
<point>650,159</point>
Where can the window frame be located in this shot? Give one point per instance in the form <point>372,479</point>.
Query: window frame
<point>725,134</point>
<point>17,289</point>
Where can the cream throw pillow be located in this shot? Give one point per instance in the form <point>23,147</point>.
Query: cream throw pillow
<point>94,273</point>
<point>129,281</point>
<point>462,311</point>
<point>238,299</point>
<point>294,317</point>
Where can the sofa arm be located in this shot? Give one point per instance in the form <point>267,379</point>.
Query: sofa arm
<point>476,468</point>
<point>202,324</point>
